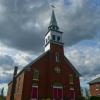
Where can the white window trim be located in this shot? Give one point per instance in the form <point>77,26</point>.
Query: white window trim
<point>97,87</point>
<point>36,79</point>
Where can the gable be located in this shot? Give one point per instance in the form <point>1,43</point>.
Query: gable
<point>37,59</point>
<point>28,66</point>
<point>71,66</point>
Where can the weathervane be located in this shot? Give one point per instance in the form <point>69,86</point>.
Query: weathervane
<point>52,6</point>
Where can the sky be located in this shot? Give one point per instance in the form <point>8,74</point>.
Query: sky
<point>23,24</point>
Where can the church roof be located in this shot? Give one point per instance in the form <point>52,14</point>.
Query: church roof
<point>97,80</point>
<point>28,66</point>
<point>53,21</point>
<point>42,55</point>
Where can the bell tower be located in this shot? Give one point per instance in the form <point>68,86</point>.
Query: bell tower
<point>54,35</point>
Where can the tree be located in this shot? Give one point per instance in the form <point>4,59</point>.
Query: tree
<point>87,93</point>
<point>2,94</point>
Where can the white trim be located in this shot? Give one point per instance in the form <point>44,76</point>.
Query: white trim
<point>36,79</point>
<point>57,87</point>
<point>35,86</point>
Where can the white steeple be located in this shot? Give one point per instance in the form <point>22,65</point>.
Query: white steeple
<point>53,35</point>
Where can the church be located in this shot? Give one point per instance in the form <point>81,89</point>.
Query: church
<point>51,76</point>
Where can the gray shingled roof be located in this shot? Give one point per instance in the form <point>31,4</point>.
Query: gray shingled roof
<point>53,21</point>
<point>97,80</point>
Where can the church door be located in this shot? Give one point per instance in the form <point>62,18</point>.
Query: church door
<point>71,95</point>
<point>57,93</point>
<point>34,92</point>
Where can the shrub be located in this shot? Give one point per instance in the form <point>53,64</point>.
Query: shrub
<point>94,98</point>
<point>81,98</point>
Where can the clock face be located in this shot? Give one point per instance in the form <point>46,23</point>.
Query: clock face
<point>57,69</point>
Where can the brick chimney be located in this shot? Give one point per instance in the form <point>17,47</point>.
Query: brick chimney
<point>14,83</point>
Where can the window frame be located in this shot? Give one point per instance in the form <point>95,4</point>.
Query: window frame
<point>71,79</point>
<point>54,37</point>
<point>36,74</point>
<point>57,57</point>
<point>58,38</point>
<point>97,87</point>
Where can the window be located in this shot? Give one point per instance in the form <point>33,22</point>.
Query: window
<point>71,87</point>
<point>97,87</point>
<point>57,57</point>
<point>71,79</point>
<point>53,37</point>
<point>35,74</point>
<point>58,38</point>
<point>57,69</point>
<point>48,38</point>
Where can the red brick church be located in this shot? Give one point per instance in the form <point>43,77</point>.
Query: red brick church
<point>50,76</point>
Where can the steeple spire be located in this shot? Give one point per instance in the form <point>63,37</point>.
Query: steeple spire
<point>53,23</point>
<point>54,35</point>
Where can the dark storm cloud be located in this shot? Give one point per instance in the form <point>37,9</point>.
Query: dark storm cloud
<point>93,71</point>
<point>24,23</point>
<point>85,58</point>
<point>81,24</point>
<point>6,59</point>
<point>14,29</point>
<point>5,78</point>
<point>6,62</point>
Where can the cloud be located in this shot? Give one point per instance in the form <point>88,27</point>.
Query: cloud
<point>26,22</point>
<point>5,77</point>
<point>9,58</point>
<point>23,24</point>
<point>85,57</point>
<point>6,59</point>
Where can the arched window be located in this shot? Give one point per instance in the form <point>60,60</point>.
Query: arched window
<point>71,79</point>
<point>36,74</point>
<point>57,57</point>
